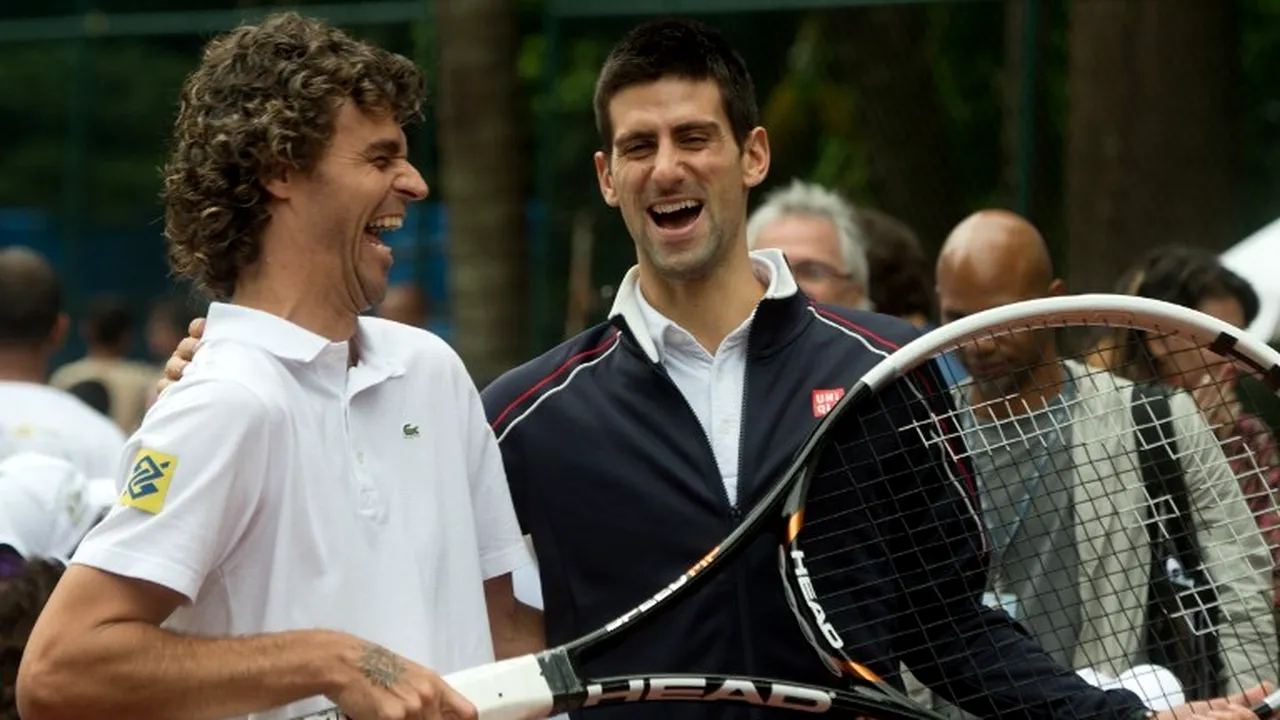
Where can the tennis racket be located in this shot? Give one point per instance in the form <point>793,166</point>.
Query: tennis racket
<point>911,470</point>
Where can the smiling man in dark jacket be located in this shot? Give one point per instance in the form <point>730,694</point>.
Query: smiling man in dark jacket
<point>637,445</point>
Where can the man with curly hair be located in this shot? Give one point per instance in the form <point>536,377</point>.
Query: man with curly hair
<point>296,530</point>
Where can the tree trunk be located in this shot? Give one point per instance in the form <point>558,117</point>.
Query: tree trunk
<point>886,54</point>
<point>1031,176</point>
<point>483,181</point>
<point>1025,138</point>
<point>1149,132</point>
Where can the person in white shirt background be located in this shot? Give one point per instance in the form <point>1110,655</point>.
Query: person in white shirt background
<point>34,416</point>
<point>46,507</point>
<point>317,513</point>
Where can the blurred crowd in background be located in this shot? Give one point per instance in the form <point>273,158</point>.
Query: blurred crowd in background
<point>1140,137</point>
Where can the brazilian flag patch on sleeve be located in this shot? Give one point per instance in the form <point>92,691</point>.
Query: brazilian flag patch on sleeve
<point>149,480</point>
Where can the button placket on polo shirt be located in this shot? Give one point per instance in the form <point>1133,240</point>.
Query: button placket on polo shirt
<point>371,503</point>
<point>364,449</point>
<point>333,365</point>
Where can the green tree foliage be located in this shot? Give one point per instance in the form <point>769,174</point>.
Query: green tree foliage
<point>127,108</point>
<point>131,90</point>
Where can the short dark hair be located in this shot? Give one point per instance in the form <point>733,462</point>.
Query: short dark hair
<point>675,47</point>
<point>901,276</point>
<point>108,321</point>
<point>30,298</point>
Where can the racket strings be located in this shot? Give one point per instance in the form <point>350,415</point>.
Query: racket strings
<point>1062,499</point>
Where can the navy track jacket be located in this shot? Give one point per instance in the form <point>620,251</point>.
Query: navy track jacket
<point>613,477</point>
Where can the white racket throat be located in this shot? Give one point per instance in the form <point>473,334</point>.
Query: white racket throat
<point>513,689</point>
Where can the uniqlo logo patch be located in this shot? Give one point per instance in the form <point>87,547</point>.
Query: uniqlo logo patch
<point>824,400</point>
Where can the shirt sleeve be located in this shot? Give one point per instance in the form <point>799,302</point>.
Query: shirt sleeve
<point>502,546</point>
<point>192,477</point>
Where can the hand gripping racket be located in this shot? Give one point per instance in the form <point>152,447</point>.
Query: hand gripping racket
<point>908,471</point>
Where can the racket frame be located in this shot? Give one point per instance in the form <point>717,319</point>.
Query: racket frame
<point>548,682</point>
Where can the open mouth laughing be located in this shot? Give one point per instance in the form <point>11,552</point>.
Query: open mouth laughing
<point>387,223</point>
<point>675,217</point>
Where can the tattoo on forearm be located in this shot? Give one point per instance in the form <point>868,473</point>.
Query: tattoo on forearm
<point>381,666</point>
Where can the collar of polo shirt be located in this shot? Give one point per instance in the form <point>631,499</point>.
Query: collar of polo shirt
<point>377,359</point>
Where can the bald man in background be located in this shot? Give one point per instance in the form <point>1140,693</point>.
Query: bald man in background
<point>991,259</point>
<point>1061,565</point>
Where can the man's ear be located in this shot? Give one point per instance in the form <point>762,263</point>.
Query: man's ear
<point>604,175</point>
<point>279,184</point>
<point>1057,288</point>
<point>755,157</point>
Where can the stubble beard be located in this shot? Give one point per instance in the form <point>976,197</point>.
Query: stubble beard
<point>693,264</point>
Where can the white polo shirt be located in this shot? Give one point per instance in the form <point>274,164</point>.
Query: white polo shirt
<point>43,419</point>
<point>277,489</point>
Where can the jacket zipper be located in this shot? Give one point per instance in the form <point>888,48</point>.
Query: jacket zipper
<point>711,450</point>
<point>742,582</point>
<point>734,511</point>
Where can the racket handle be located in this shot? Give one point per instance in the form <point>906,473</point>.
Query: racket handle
<point>508,690</point>
<point>513,689</point>
<point>1269,707</point>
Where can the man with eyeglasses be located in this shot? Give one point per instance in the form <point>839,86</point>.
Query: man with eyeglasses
<point>816,230</point>
<point>831,248</point>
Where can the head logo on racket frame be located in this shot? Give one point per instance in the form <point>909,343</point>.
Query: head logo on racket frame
<point>665,592</point>
<point>810,596</point>
<point>710,689</point>
<point>795,575</point>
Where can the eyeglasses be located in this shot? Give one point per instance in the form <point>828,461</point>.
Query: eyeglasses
<point>814,271</point>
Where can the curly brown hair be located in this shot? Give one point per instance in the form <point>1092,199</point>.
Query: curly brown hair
<point>264,100</point>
